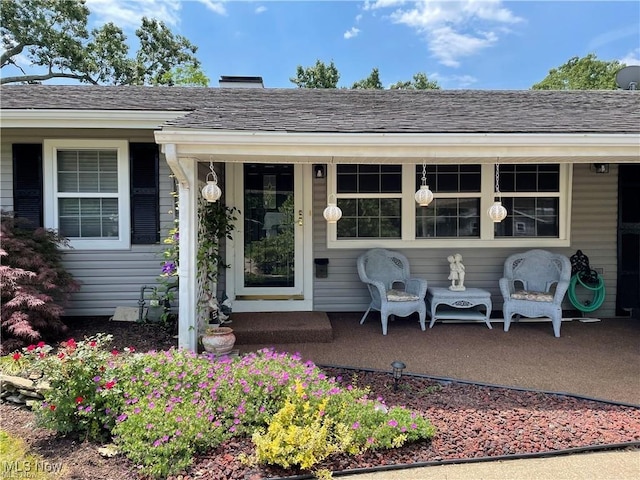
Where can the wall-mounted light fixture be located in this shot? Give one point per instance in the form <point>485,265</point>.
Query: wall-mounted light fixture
<point>319,171</point>
<point>600,167</point>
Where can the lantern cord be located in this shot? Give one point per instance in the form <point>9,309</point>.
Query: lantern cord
<point>498,182</point>
<point>212,173</point>
<point>424,173</point>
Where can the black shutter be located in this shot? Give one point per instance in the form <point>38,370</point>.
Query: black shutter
<point>27,182</point>
<point>145,199</point>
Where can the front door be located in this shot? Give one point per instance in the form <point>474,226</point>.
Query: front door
<point>269,246</point>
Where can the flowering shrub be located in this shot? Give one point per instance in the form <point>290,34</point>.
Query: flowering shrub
<point>84,390</point>
<point>178,403</point>
<point>163,407</point>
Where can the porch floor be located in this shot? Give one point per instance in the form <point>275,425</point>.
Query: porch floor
<point>599,359</point>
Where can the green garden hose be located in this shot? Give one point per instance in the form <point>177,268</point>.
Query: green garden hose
<point>588,305</point>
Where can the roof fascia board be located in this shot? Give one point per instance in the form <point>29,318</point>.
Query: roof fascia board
<point>57,118</point>
<point>394,145</point>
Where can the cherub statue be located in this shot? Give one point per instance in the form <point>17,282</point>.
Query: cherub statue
<point>457,272</point>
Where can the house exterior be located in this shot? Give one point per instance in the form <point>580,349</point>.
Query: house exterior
<point>99,163</point>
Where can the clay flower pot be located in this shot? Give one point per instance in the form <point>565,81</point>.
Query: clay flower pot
<point>218,340</point>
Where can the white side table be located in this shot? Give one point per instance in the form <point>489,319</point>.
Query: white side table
<point>461,303</point>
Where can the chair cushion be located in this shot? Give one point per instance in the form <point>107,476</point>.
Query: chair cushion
<point>394,295</point>
<point>533,296</point>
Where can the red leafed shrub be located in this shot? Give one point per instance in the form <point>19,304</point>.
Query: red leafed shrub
<point>33,282</point>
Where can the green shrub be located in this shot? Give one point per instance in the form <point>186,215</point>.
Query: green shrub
<point>315,424</point>
<point>84,391</point>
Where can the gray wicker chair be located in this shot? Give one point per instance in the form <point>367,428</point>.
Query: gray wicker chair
<point>534,285</point>
<point>393,291</point>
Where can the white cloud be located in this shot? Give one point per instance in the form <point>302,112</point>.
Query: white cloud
<point>612,36</point>
<point>454,30</point>
<point>128,13</point>
<point>631,58</point>
<point>376,4</point>
<point>454,81</point>
<point>260,9</point>
<point>215,7</point>
<point>353,32</point>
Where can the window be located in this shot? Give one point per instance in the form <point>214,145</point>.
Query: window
<point>455,210</point>
<point>530,193</point>
<point>370,197</point>
<point>87,192</point>
<point>378,206</point>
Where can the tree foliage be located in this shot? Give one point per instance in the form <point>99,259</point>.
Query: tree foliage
<point>326,76</point>
<point>52,35</point>
<point>419,82</point>
<point>586,73</point>
<point>318,76</point>
<point>372,82</point>
<point>35,286</point>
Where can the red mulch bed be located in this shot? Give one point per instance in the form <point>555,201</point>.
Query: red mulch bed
<point>472,421</point>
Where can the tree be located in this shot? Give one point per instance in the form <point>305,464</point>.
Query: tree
<point>34,284</point>
<point>419,82</point>
<point>371,82</point>
<point>53,34</point>
<point>318,76</point>
<point>586,73</point>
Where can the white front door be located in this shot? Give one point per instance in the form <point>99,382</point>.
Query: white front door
<point>269,247</point>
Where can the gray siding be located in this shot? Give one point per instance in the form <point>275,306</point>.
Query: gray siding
<point>593,230</point>
<point>108,278</point>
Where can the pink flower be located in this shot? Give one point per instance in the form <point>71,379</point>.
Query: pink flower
<point>93,343</point>
<point>40,344</point>
<point>17,356</point>
<point>114,352</point>
<point>109,385</point>
<point>31,348</point>
<point>79,399</point>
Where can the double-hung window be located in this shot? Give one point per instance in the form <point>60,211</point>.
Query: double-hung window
<point>378,206</point>
<point>531,195</point>
<point>87,192</point>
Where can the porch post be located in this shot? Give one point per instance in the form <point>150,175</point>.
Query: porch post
<point>185,170</point>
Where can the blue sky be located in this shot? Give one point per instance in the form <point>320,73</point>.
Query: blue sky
<point>482,44</point>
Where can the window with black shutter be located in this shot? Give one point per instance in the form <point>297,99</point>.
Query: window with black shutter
<point>145,207</point>
<point>27,182</point>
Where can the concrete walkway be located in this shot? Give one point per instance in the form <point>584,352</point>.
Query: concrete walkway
<point>613,465</point>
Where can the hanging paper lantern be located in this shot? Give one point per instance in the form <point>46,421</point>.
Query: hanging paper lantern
<point>424,196</point>
<point>497,212</point>
<point>211,191</point>
<point>332,213</point>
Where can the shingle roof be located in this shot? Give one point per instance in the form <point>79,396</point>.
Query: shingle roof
<point>349,111</point>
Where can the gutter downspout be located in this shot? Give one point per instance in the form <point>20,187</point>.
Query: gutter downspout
<point>186,173</point>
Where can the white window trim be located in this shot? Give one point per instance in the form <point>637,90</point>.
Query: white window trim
<point>486,239</point>
<point>51,147</point>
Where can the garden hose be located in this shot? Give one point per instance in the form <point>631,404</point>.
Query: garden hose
<point>589,305</point>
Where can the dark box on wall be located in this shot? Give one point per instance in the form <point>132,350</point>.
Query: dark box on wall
<point>322,267</point>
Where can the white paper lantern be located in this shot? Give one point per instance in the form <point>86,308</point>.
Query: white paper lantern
<point>211,191</point>
<point>424,196</point>
<point>332,213</point>
<point>497,212</point>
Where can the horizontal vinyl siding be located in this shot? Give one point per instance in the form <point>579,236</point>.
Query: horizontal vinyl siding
<point>108,279</point>
<point>593,222</point>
